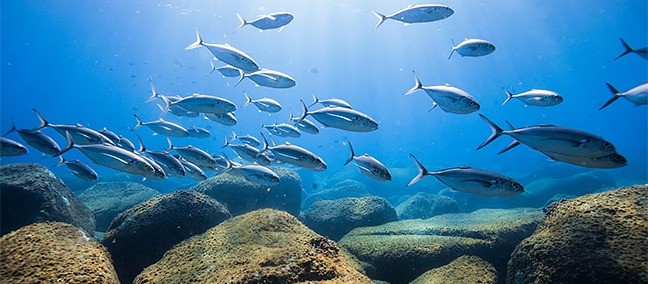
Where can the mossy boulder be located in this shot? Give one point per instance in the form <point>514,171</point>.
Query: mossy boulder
<point>54,252</point>
<point>241,195</point>
<point>425,205</point>
<point>403,250</point>
<point>139,236</point>
<point>597,238</point>
<point>263,246</point>
<point>467,269</point>
<point>108,199</point>
<point>30,193</point>
<point>335,218</point>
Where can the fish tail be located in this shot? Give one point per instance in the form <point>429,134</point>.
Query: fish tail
<point>422,172</point>
<point>167,105</point>
<point>43,122</point>
<point>248,100</point>
<point>265,145</point>
<point>417,85</point>
<point>13,127</point>
<point>304,112</point>
<point>509,96</point>
<point>496,131</point>
<point>241,77</point>
<point>154,93</point>
<point>60,162</point>
<point>615,96</point>
<point>627,47</point>
<point>197,43</point>
<point>453,49</point>
<point>141,144</point>
<point>139,122</point>
<point>243,22</point>
<point>170,145</point>
<point>69,146</point>
<point>227,141</point>
<point>315,100</point>
<point>381,19</point>
<point>351,154</point>
<point>213,68</point>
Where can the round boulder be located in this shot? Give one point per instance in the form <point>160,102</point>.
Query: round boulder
<point>54,252</point>
<point>467,269</point>
<point>425,205</point>
<point>139,236</point>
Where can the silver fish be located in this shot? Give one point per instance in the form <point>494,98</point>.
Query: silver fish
<point>9,148</point>
<point>448,98</point>
<point>79,169</point>
<point>553,139</point>
<point>114,137</point>
<point>202,103</point>
<point>304,125</point>
<point>643,52</point>
<point>247,139</point>
<point>196,156</point>
<point>473,48</point>
<point>81,135</point>
<point>226,71</point>
<point>330,102</point>
<point>283,130</point>
<point>417,14</point>
<point>249,153</point>
<point>469,180</point>
<point>163,127</point>
<point>199,132</point>
<point>637,95</point>
<point>37,139</point>
<point>269,78</point>
<point>369,166</point>
<point>169,100</point>
<point>254,173</point>
<point>227,119</point>
<point>192,171</point>
<point>535,97</point>
<point>227,54</point>
<point>124,143</point>
<point>267,22</point>
<point>263,104</point>
<point>170,164</point>
<point>295,155</point>
<point>341,118</point>
<point>610,161</point>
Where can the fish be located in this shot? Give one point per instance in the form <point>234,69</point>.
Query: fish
<point>192,171</point>
<point>473,48</point>
<point>170,164</point>
<point>263,104</point>
<point>37,139</point>
<point>448,98</point>
<point>283,130</point>
<point>643,52</point>
<point>255,173</point>
<point>198,132</point>
<point>227,54</point>
<point>294,155</point>
<point>79,169</point>
<point>417,14</point>
<point>249,153</point>
<point>304,125</point>
<point>471,180</point>
<point>269,78</point>
<point>247,139</point>
<point>113,137</point>
<point>637,95</point>
<point>369,166</point>
<point>267,22</point>
<point>200,103</point>
<point>227,119</point>
<point>610,161</point>
<point>10,148</point>
<point>163,127</point>
<point>115,158</point>
<point>169,100</point>
<point>535,97</point>
<point>330,102</point>
<point>196,156</point>
<point>551,138</point>
<point>341,118</point>
<point>81,135</point>
<point>226,71</point>
<point>124,143</point>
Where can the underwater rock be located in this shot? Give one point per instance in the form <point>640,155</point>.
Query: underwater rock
<point>139,236</point>
<point>467,269</point>
<point>54,252</point>
<point>108,199</point>
<point>263,246</point>
<point>425,205</point>
<point>335,218</point>
<point>30,193</point>
<point>597,238</point>
<point>403,250</point>
<point>241,195</point>
<point>345,188</point>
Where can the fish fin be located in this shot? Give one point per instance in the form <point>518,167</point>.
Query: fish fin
<point>265,145</point>
<point>241,77</point>
<point>69,146</point>
<point>510,146</point>
<point>13,127</point>
<point>60,162</point>
<point>141,144</point>
<point>281,29</point>
<point>509,96</point>
<point>615,96</point>
<point>315,100</point>
<point>304,112</point>
<point>139,122</point>
<point>381,19</point>
<point>243,22</point>
<point>627,47</point>
<point>227,141</point>
<point>213,68</point>
<point>434,105</point>
<point>154,93</point>
<point>417,85</point>
<point>496,131</point>
<point>422,172</point>
<point>43,122</point>
<point>197,43</point>
<point>248,100</point>
<point>351,154</point>
<point>453,49</point>
<point>170,145</point>
<point>510,125</point>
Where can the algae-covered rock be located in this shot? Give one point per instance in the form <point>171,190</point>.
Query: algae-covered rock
<point>263,246</point>
<point>241,195</point>
<point>345,188</point>
<point>53,252</point>
<point>425,205</point>
<point>403,250</point>
<point>335,218</point>
<point>139,236</point>
<point>597,238</point>
<point>108,199</point>
<point>30,193</point>
<point>467,269</point>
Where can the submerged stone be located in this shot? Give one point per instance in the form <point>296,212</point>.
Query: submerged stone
<point>467,269</point>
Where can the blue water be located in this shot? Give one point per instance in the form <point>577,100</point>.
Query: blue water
<point>87,62</point>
